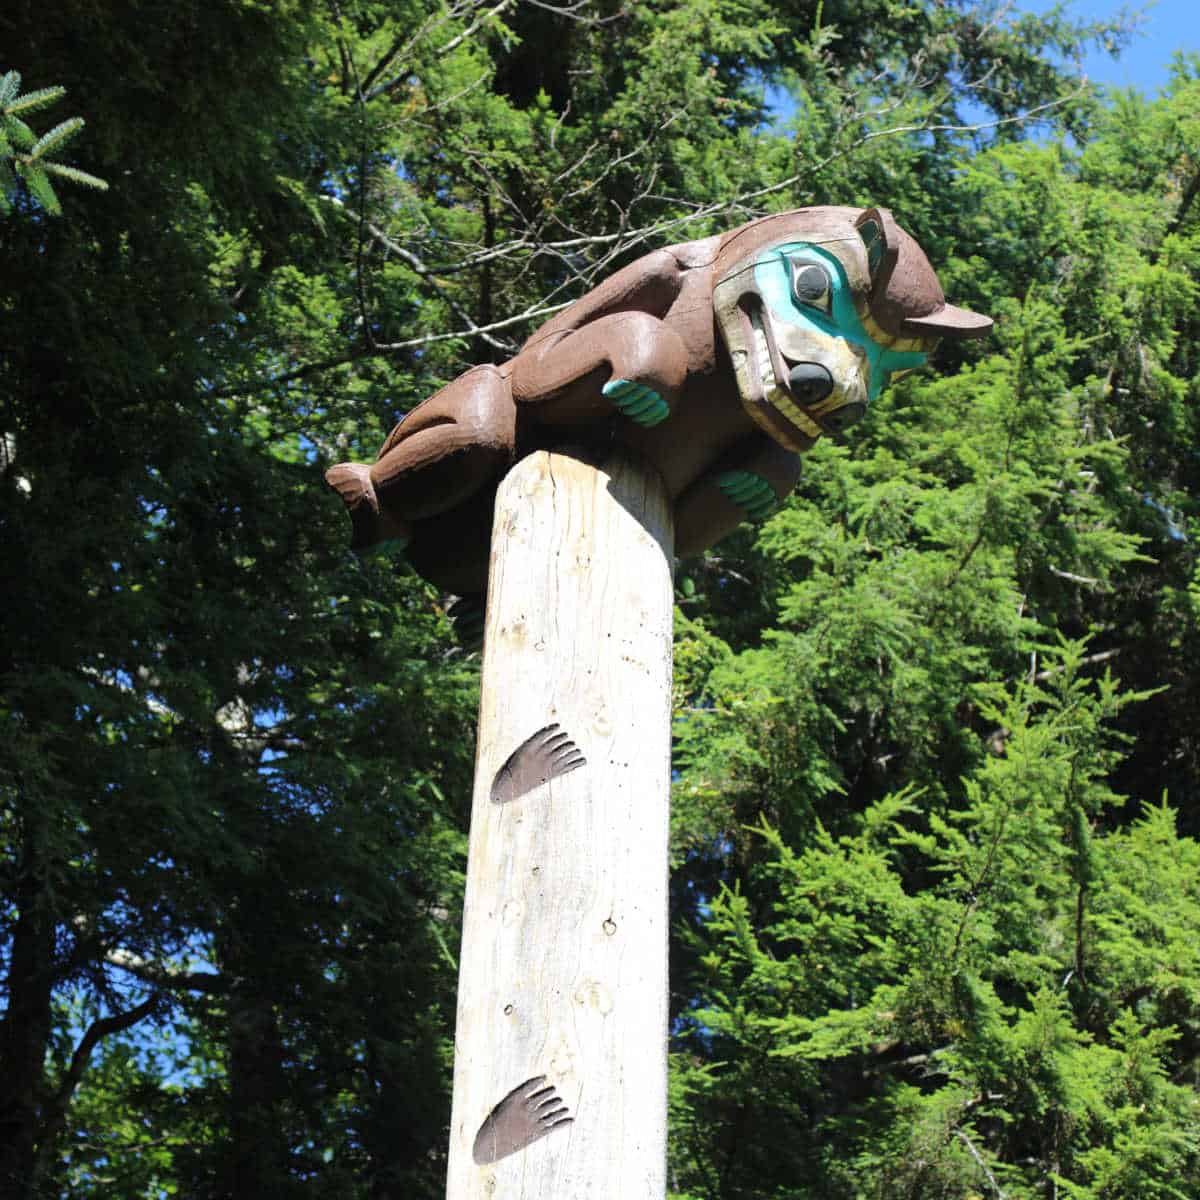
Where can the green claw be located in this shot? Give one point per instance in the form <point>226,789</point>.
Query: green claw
<point>740,498</point>
<point>630,395</point>
<point>750,492</point>
<point>636,401</point>
<point>737,485</point>
<point>640,405</point>
<point>739,478</point>
<point>618,389</point>
<point>657,417</point>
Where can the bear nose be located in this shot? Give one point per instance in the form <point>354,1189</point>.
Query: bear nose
<point>842,418</point>
<point>809,383</point>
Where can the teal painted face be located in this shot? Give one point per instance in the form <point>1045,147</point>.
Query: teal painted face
<point>810,301</point>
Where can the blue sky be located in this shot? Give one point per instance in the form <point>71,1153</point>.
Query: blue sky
<point>1163,28</point>
<point>1166,26</point>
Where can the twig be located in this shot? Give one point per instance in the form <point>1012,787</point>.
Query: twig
<point>1085,580</point>
<point>1087,661</point>
<point>616,244</point>
<point>382,349</point>
<point>454,43</point>
<point>1000,1192</point>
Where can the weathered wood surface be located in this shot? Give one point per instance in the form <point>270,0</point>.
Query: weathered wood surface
<point>563,971</point>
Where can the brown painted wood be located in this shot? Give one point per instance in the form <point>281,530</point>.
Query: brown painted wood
<point>683,323</point>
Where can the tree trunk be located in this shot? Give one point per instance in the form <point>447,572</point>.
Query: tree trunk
<point>25,1031</point>
<point>257,1156</point>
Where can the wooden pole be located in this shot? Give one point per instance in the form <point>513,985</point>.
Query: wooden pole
<point>560,1070</point>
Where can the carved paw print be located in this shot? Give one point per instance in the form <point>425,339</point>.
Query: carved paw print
<point>637,402</point>
<point>542,756</point>
<point>527,1113</point>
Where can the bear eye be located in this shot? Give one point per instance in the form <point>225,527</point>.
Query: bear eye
<point>811,285</point>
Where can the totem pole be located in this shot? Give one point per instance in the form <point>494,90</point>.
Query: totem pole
<point>646,420</point>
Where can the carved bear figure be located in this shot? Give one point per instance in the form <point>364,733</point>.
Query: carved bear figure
<point>719,360</point>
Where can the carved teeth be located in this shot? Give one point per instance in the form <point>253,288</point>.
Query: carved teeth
<point>775,396</point>
<point>778,398</point>
<point>765,369</point>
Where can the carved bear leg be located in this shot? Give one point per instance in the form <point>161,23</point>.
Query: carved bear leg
<point>451,550</point>
<point>747,484</point>
<point>628,362</point>
<point>444,453</point>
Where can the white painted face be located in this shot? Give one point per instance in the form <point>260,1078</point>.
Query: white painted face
<point>807,357</point>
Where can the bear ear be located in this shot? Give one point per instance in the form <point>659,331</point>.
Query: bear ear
<point>881,237</point>
<point>906,298</point>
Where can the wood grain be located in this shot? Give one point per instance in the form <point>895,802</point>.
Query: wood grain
<point>563,971</point>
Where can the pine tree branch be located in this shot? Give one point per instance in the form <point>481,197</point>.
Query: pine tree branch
<point>373,90</point>
<point>617,244</point>
<point>75,175</point>
<point>10,85</point>
<point>54,1114</point>
<point>313,368</point>
<point>55,139</point>
<point>32,101</point>
<point>1185,204</point>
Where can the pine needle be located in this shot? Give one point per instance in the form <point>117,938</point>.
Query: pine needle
<point>57,137</point>
<point>10,85</point>
<point>32,101</point>
<point>40,189</point>
<point>18,132</point>
<point>75,175</point>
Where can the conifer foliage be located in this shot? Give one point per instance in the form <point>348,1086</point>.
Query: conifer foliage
<point>935,870</point>
<point>32,159</point>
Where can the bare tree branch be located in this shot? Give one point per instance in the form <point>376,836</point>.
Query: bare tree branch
<point>401,50</point>
<point>454,43</point>
<point>97,1031</point>
<point>1084,580</point>
<point>1089,660</point>
<point>167,977</point>
<point>966,1141</point>
<point>574,12</point>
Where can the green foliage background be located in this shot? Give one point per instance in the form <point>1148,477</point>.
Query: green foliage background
<point>935,879</point>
